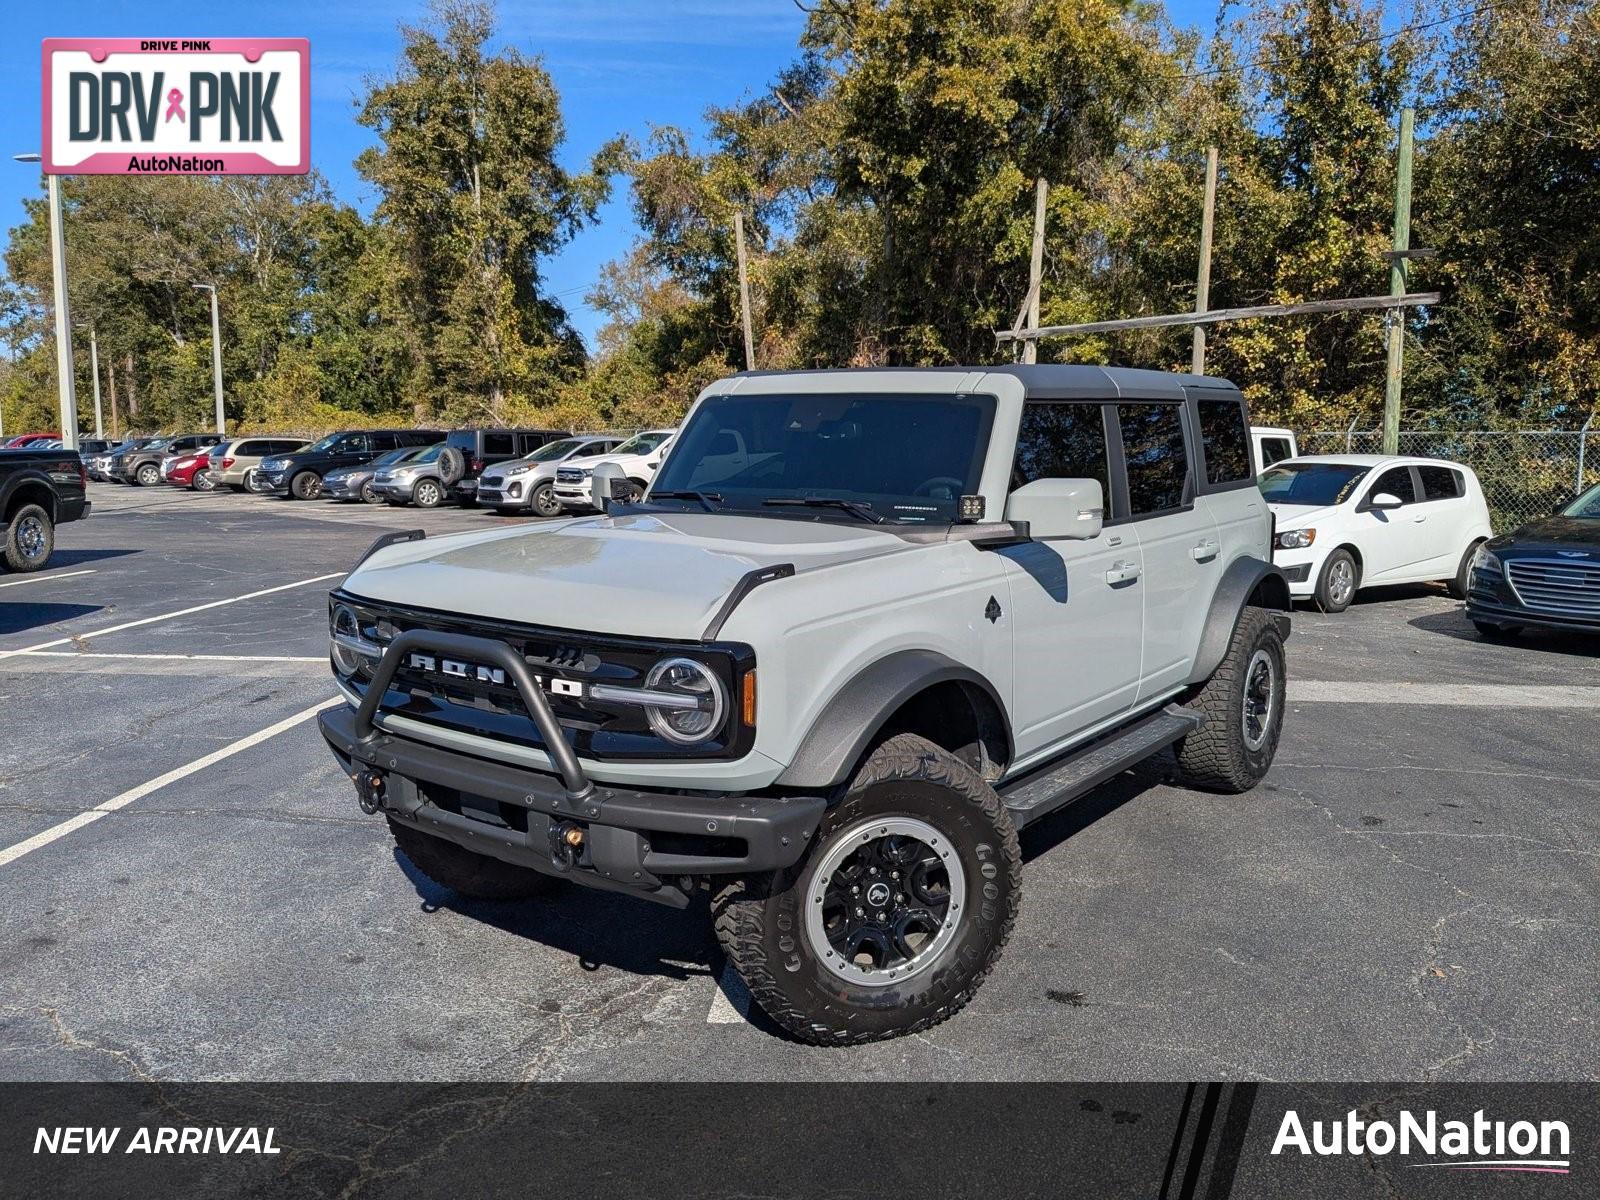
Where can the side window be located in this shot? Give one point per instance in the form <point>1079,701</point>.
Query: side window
<point>1441,483</point>
<point>1397,482</point>
<point>1273,449</point>
<point>1226,439</point>
<point>527,443</point>
<point>498,443</point>
<point>1153,451</point>
<point>1061,440</point>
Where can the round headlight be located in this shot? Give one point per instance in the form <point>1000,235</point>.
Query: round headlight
<point>345,625</point>
<point>694,681</point>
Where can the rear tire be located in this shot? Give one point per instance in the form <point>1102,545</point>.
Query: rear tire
<point>476,876</point>
<point>307,485</point>
<point>1338,582</point>
<point>1463,580</point>
<point>833,976</point>
<point>30,539</point>
<point>544,502</point>
<point>1241,707</point>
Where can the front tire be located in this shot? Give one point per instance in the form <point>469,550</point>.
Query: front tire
<point>427,494</point>
<point>544,502</point>
<point>1491,632</point>
<point>369,496</point>
<point>148,475</point>
<point>1338,582</point>
<point>1241,707</point>
<point>895,917</point>
<point>30,539</point>
<point>307,485</point>
<point>476,876</point>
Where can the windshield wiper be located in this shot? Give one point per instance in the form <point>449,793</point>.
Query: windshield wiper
<point>854,507</point>
<point>708,500</point>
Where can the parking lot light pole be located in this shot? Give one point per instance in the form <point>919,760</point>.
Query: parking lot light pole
<point>216,353</point>
<point>94,374</point>
<point>65,368</point>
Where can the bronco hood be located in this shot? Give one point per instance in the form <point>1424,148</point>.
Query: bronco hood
<point>649,575</point>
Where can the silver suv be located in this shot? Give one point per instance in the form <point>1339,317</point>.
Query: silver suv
<point>830,678</point>
<point>529,483</point>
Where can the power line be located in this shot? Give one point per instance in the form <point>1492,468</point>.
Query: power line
<point>1359,42</point>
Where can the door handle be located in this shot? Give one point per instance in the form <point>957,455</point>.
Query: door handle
<point>1122,572</point>
<point>1204,550</point>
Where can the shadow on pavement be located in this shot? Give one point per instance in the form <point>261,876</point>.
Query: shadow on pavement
<point>597,928</point>
<point>76,558</point>
<point>16,616</point>
<point>1454,624</point>
<point>1059,826</point>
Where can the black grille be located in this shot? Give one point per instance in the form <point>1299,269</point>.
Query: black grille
<point>480,705</point>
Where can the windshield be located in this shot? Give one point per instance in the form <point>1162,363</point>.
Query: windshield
<point>554,450</point>
<point>427,454</point>
<point>642,443</point>
<point>158,444</point>
<point>1311,483</point>
<point>1586,505</point>
<point>394,456</point>
<point>326,443</point>
<point>907,458</point>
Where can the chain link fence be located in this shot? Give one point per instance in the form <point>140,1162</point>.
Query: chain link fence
<point>1525,473</point>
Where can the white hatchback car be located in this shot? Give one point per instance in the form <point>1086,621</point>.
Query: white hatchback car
<point>1349,521</point>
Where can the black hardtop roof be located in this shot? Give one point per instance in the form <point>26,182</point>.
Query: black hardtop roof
<point>1059,380</point>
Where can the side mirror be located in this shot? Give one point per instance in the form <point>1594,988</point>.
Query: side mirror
<point>601,484</point>
<point>1056,508</point>
<point>1384,501</point>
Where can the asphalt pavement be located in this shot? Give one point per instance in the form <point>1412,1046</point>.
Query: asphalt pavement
<point>189,891</point>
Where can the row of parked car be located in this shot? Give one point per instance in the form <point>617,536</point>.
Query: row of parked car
<point>541,471</point>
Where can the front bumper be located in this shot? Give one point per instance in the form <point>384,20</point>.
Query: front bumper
<point>504,493</point>
<point>344,487</point>
<point>275,483</point>
<point>1491,599</point>
<point>1300,569</point>
<point>641,842</point>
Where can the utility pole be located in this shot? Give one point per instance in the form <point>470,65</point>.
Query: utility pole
<point>1399,278</point>
<point>744,294</point>
<point>1041,190</point>
<point>1202,291</point>
<point>94,373</point>
<point>216,353</point>
<point>66,369</point>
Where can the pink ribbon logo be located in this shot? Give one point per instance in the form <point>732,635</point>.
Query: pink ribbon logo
<point>175,105</point>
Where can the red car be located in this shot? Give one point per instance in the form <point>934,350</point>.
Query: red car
<point>27,439</point>
<point>183,470</point>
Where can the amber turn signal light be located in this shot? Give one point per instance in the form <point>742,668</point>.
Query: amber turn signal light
<point>747,699</point>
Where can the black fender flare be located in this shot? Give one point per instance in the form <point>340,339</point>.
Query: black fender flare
<point>858,712</point>
<point>30,479</point>
<point>1243,579</point>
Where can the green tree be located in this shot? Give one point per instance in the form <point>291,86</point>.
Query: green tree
<point>472,198</point>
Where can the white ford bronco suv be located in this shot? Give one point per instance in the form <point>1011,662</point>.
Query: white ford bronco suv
<point>830,683</point>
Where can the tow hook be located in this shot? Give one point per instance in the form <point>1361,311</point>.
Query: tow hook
<point>566,843</point>
<point>370,788</point>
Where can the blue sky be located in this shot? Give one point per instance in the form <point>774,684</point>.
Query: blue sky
<point>620,66</point>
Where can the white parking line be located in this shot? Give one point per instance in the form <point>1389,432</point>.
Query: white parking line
<point>78,638</point>
<point>1469,695</point>
<point>258,658</point>
<point>42,578</point>
<point>56,832</point>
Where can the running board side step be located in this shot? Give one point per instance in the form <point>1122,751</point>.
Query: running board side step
<point>1061,781</point>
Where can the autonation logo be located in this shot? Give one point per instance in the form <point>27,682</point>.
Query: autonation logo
<point>1476,1145</point>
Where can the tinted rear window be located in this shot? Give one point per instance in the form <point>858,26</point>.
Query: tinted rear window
<point>1152,448</point>
<point>1441,483</point>
<point>1226,439</point>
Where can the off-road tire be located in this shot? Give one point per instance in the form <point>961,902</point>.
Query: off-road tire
<point>148,475</point>
<point>1327,599</point>
<point>428,493</point>
<point>476,876</point>
<point>307,485</point>
<point>759,918</point>
<point>1463,580</point>
<point>1490,632</point>
<point>30,539</point>
<point>1217,757</point>
<point>452,466</point>
<point>543,502</point>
